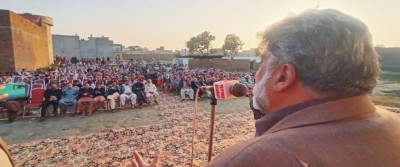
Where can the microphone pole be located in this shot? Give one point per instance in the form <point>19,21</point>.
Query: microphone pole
<point>213,103</point>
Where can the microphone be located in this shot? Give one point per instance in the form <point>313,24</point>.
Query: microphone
<point>227,89</point>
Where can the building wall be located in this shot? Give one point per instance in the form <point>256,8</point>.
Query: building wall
<point>105,48</point>
<point>117,51</point>
<point>167,58</point>
<point>220,63</point>
<point>29,46</point>
<point>66,46</point>
<point>6,44</point>
<point>50,44</point>
<point>87,49</point>
<point>97,47</point>
<point>48,21</point>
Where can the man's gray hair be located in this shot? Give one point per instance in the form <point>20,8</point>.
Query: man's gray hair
<point>331,51</point>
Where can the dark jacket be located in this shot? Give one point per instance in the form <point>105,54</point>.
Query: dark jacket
<point>137,87</point>
<point>111,90</point>
<point>195,85</point>
<point>89,92</point>
<point>99,92</point>
<point>52,92</point>
<point>344,132</point>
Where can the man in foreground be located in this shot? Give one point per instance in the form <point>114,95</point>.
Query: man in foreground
<point>127,94</point>
<point>138,88</point>
<point>69,97</point>
<point>151,91</point>
<point>51,97</point>
<point>313,83</point>
<point>113,94</point>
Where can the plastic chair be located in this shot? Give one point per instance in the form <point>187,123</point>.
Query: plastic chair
<point>28,82</point>
<point>16,79</point>
<point>35,100</point>
<point>28,90</point>
<point>41,81</point>
<point>37,85</point>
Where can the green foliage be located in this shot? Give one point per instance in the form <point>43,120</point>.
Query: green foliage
<point>200,43</point>
<point>232,45</point>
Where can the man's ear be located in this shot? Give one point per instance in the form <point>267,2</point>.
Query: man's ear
<point>285,77</point>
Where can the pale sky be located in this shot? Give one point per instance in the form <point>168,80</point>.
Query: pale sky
<point>170,23</point>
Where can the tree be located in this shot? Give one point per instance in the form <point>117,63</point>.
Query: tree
<point>200,43</point>
<point>232,45</point>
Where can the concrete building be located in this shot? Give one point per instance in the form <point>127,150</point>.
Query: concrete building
<point>25,41</point>
<point>97,47</point>
<point>66,46</point>
<point>118,50</point>
<point>72,46</point>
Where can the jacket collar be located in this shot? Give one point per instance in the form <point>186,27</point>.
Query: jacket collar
<point>316,112</point>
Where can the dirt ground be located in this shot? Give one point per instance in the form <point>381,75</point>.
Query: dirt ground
<point>30,129</point>
<point>108,139</point>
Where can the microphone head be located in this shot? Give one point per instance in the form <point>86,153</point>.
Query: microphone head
<point>239,90</point>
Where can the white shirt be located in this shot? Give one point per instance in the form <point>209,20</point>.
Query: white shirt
<point>127,88</point>
<point>150,88</point>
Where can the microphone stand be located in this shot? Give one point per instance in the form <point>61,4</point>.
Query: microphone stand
<point>213,103</point>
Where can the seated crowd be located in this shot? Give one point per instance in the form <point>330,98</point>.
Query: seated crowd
<point>85,87</point>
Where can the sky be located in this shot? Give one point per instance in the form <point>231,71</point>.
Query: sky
<point>170,23</point>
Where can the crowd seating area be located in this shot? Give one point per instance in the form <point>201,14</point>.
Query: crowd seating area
<point>178,79</point>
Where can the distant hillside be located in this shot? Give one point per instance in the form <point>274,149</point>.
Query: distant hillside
<point>390,57</point>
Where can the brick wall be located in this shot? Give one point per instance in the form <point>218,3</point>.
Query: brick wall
<point>25,44</point>
<point>6,46</point>
<point>220,63</point>
<point>30,41</point>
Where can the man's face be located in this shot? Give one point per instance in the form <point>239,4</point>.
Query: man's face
<point>114,83</point>
<point>53,86</point>
<point>260,98</point>
<point>69,85</point>
<point>87,86</point>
